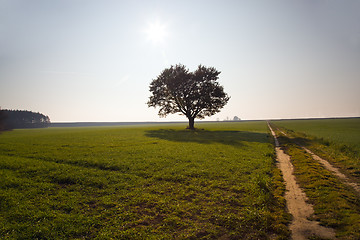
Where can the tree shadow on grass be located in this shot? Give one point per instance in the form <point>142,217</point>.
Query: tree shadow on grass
<point>233,138</point>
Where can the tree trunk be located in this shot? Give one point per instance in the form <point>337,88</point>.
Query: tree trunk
<point>191,123</point>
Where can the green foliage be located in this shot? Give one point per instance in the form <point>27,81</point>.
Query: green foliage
<point>2,121</point>
<point>141,182</point>
<point>194,94</point>
<point>10,119</point>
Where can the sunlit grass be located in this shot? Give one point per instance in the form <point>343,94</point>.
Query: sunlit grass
<point>157,182</point>
<point>337,140</point>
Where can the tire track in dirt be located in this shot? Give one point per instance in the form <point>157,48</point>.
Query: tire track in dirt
<point>331,168</point>
<point>301,228</point>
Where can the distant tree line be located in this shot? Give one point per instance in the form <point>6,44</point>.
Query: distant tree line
<point>10,119</point>
<point>2,121</point>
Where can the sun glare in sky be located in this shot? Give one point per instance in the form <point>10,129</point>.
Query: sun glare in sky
<point>94,62</point>
<point>156,32</point>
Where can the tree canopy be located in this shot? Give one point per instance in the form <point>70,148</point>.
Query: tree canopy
<point>10,119</point>
<point>2,121</point>
<point>194,94</point>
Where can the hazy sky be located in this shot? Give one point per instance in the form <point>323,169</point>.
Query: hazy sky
<point>83,60</point>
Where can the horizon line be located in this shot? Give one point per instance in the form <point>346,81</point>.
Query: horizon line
<point>182,121</point>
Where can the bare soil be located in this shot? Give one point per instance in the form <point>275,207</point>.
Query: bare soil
<point>301,227</point>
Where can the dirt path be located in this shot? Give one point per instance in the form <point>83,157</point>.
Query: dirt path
<point>301,228</point>
<point>334,170</point>
<point>331,168</point>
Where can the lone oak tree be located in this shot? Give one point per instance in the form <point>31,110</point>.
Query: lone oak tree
<point>195,94</point>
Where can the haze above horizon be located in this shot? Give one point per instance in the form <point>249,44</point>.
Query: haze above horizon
<point>93,61</point>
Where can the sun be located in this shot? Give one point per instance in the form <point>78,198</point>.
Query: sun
<point>156,32</point>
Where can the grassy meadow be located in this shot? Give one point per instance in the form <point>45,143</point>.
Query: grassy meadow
<point>143,182</point>
<point>337,131</point>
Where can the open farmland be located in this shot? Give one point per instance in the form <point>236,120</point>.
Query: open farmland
<point>339,131</point>
<point>337,140</point>
<point>143,182</point>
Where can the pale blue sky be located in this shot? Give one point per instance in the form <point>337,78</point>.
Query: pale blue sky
<point>81,60</point>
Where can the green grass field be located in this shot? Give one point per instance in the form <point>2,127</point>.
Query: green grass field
<point>340,131</point>
<point>144,182</point>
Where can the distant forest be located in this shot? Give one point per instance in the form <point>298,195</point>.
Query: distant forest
<point>11,119</point>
